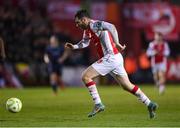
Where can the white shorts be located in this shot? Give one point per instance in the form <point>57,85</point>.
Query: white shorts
<point>159,67</point>
<point>113,64</point>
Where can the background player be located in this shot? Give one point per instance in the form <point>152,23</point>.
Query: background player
<point>54,56</point>
<point>2,57</point>
<point>2,50</point>
<point>105,37</point>
<point>158,50</point>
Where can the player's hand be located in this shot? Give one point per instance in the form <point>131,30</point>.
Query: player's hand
<point>120,47</point>
<point>123,47</point>
<point>68,46</point>
<point>46,59</point>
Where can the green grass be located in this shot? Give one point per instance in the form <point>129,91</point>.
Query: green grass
<point>71,106</point>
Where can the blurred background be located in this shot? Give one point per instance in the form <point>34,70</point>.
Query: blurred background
<point>26,26</point>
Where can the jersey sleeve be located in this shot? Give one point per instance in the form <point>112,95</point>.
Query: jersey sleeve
<point>84,42</point>
<point>150,51</point>
<point>102,25</point>
<point>98,25</point>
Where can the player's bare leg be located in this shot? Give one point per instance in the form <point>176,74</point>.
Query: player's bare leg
<point>162,80</point>
<point>128,86</point>
<point>156,79</point>
<point>87,78</point>
<point>61,83</point>
<point>54,82</point>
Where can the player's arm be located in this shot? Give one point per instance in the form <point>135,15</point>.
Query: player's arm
<point>64,56</point>
<point>2,50</point>
<point>167,50</point>
<point>46,58</point>
<point>101,25</point>
<point>82,44</point>
<point>150,51</point>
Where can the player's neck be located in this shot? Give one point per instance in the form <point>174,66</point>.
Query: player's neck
<point>159,41</point>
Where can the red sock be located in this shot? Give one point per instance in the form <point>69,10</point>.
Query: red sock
<point>93,92</point>
<point>134,90</point>
<point>140,95</point>
<point>90,84</point>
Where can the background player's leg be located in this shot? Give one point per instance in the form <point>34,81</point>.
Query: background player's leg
<point>162,80</point>
<point>60,81</point>
<point>156,79</point>
<point>54,82</point>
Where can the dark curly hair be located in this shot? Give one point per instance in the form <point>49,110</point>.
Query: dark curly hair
<point>81,13</point>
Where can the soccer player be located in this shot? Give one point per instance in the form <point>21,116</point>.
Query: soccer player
<point>54,56</point>
<point>158,50</point>
<point>2,51</point>
<point>2,57</point>
<point>105,37</point>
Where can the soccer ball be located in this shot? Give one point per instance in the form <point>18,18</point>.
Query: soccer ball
<point>14,105</point>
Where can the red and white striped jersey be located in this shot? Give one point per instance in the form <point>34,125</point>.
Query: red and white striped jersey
<point>101,38</point>
<point>158,52</point>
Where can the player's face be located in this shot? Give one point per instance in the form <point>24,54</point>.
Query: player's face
<point>81,23</point>
<point>158,37</point>
<point>53,41</point>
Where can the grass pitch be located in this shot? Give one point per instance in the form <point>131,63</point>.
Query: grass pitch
<point>70,108</point>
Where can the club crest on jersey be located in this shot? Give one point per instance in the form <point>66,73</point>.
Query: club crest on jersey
<point>97,25</point>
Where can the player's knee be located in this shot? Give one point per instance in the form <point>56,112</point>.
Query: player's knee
<point>85,78</point>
